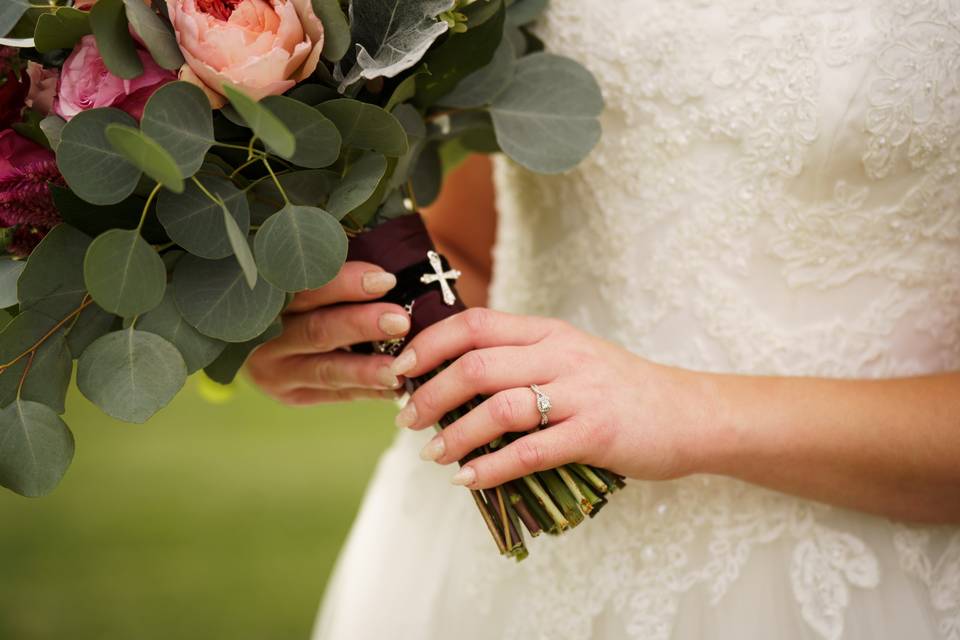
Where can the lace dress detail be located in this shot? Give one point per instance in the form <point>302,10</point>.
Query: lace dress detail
<point>776,192</point>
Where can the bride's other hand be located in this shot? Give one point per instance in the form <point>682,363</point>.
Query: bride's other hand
<point>610,408</point>
<point>307,362</point>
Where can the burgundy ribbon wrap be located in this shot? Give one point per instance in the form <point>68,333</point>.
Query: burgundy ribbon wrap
<point>398,245</point>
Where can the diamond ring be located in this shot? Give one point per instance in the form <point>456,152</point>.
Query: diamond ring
<point>543,404</point>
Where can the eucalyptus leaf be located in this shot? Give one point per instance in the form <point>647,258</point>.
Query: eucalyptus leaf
<point>524,12</point>
<point>392,35</point>
<point>61,29</point>
<point>262,122</point>
<point>241,248</point>
<point>546,119</point>
<point>92,167</point>
<point>179,118</point>
<point>214,298</point>
<point>123,273</point>
<point>460,55</point>
<point>108,20</point>
<point>144,152</point>
<point>156,36</point>
<point>197,349</point>
<point>46,380</point>
<point>224,369</point>
<point>92,323</point>
<point>52,126</point>
<point>482,86</point>
<point>37,448</point>
<point>10,13</point>
<point>357,185</point>
<point>10,271</point>
<point>52,282</point>
<point>196,223</point>
<point>405,90</point>
<point>312,94</point>
<point>309,187</point>
<point>336,30</point>
<point>94,219</point>
<point>427,175</point>
<point>365,126</point>
<point>318,140</point>
<point>300,248</point>
<point>131,374</point>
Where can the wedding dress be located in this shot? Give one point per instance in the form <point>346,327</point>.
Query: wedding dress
<point>777,191</point>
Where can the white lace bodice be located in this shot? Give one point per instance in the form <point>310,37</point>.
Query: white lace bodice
<point>776,192</point>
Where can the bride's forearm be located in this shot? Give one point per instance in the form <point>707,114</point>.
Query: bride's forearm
<point>890,447</point>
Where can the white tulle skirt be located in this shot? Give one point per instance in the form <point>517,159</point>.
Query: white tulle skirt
<point>699,558</point>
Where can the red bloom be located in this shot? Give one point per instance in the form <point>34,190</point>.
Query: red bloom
<point>26,171</point>
<point>14,86</point>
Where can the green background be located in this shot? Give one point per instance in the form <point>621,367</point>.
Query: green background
<point>211,521</point>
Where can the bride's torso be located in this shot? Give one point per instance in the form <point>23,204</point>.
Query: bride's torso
<point>776,192</point>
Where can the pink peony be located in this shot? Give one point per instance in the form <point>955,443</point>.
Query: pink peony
<point>86,83</point>
<point>43,87</point>
<point>26,171</point>
<point>258,46</point>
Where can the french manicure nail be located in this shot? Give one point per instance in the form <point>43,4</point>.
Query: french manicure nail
<point>465,477</point>
<point>394,324</point>
<point>407,416</point>
<point>378,282</point>
<point>386,378</point>
<point>433,449</point>
<point>404,362</point>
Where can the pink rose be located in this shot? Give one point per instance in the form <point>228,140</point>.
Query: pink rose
<point>262,47</point>
<point>84,5</point>
<point>86,83</point>
<point>26,171</point>
<point>43,87</point>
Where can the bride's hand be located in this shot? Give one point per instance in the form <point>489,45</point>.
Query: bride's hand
<point>611,408</point>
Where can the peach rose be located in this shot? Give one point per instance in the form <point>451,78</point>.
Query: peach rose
<point>43,87</point>
<point>262,47</point>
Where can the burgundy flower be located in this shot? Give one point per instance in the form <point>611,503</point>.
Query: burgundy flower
<point>26,171</point>
<point>14,85</point>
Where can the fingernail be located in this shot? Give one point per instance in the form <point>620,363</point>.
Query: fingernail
<point>465,477</point>
<point>404,362</point>
<point>378,282</point>
<point>386,378</point>
<point>407,416</point>
<point>394,324</point>
<point>433,449</point>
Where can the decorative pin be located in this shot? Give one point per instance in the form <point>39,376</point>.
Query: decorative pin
<point>441,276</point>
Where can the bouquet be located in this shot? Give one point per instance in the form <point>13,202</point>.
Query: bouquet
<point>173,171</point>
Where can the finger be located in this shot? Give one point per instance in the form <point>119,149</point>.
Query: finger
<point>471,329</point>
<point>356,282</point>
<point>510,410</point>
<point>306,397</point>
<point>483,371</point>
<point>541,450</point>
<point>335,370</point>
<point>329,328</point>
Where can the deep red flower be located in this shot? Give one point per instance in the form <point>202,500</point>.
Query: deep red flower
<point>26,172</point>
<point>14,85</point>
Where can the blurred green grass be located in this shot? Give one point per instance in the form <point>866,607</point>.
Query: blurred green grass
<point>211,521</point>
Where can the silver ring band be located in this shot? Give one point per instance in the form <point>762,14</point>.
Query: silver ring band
<point>543,404</point>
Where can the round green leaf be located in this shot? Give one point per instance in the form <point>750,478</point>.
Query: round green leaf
<point>131,374</point>
<point>52,126</point>
<point>108,19</point>
<point>10,13</point>
<point>47,379</point>
<point>300,248</point>
<point>336,30</point>
<point>124,275</point>
<point>37,448</point>
<point>158,38</point>
<point>213,296</point>
<point>61,29</point>
<point>92,167</point>
<point>366,126</point>
<point>10,271</point>
<point>196,223</point>
<point>318,140</point>
<point>358,185</point>
<point>52,282</point>
<point>143,151</point>
<point>197,349</point>
<point>483,85</point>
<point>547,117</point>
<point>178,117</point>
<point>262,122</point>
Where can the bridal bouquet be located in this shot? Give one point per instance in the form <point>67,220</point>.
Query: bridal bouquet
<point>173,171</point>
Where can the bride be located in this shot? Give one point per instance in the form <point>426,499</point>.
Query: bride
<point>747,299</point>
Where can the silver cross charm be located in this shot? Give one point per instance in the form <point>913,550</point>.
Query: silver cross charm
<point>441,276</point>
